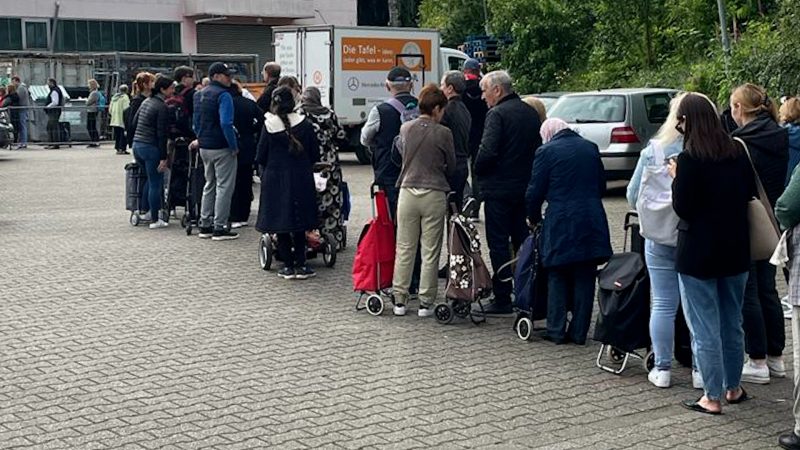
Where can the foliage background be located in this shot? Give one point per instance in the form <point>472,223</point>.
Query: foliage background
<point>583,45</point>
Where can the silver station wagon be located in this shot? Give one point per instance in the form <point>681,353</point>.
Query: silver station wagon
<point>619,121</point>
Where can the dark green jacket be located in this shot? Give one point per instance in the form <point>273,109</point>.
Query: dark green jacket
<point>787,209</point>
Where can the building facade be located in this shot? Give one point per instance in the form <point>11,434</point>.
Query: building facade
<point>160,26</point>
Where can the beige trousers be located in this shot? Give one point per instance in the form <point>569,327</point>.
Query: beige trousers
<point>420,220</point>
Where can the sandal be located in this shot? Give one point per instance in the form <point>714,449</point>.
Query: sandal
<point>743,397</point>
<point>697,407</point>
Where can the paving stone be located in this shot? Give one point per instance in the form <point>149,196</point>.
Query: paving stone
<point>123,337</point>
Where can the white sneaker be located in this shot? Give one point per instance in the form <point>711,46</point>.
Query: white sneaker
<point>159,224</point>
<point>753,373</point>
<point>776,367</point>
<point>660,378</point>
<point>399,309</point>
<point>697,380</point>
<point>424,312</point>
<point>146,218</point>
<point>235,225</point>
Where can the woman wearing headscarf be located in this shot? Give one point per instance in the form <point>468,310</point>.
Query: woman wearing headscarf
<point>287,150</point>
<point>569,175</point>
<point>330,135</point>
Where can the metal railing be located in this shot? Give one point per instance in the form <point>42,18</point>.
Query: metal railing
<point>73,122</point>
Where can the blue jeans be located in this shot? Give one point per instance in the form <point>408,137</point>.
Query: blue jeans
<point>23,126</point>
<point>149,156</point>
<point>666,298</point>
<point>714,314</point>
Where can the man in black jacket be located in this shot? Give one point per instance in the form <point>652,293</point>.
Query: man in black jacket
<point>473,100</point>
<point>457,119</point>
<point>271,74</point>
<point>502,171</point>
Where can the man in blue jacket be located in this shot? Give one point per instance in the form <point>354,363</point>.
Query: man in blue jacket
<point>216,137</point>
<point>502,171</point>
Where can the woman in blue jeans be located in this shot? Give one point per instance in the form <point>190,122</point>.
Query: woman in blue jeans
<point>713,183</point>
<point>660,256</point>
<point>150,146</point>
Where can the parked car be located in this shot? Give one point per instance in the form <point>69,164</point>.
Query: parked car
<point>548,98</point>
<point>619,121</point>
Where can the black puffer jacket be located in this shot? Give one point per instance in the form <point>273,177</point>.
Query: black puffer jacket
<point>510,139</point>
<point>768,144</point>
<point>129,114</point>
<point>152,124</point>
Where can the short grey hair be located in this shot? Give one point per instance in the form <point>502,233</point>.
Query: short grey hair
<point>403,86</point>
<point>123,88</point>
<point>500,78</point>
<point>456,80</point>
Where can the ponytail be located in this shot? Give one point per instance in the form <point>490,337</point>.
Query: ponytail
<point>295,147</point>
<point>755,100</point>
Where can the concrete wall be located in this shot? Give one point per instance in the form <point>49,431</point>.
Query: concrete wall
<point>335,12</point>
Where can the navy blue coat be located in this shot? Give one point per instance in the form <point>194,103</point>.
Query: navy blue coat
<point>288,197</point>
<point>569,175</point>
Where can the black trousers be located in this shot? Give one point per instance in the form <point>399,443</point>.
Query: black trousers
<point>458,183</point>
<point>120,143</point>
<point>292,249</point>
<point>570,287</point>
<point>242,193</point>
<point>505,232</point>
<point>762,313</point>
<point>91,126</point>
<point>53,130</point>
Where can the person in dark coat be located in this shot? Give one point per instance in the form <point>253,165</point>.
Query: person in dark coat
<point>502,172</point>
<point>712,187</point>
<point>142,87</point>
<point>768,143</point>
<point>473,100</point>
<point>248,120</point>
<point>271,74</point>
<point>457,119</point>
<point>288,150</point>
<point>11,100</point>
<point>569,175</point>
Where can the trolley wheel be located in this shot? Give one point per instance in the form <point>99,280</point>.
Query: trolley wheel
<point>461,308</point>
<point>329,253</point>
<point>135,220</point>
<point>614,354</point>
<point>265,252</point>
<point>375,305</point>
<point>443,313</point>
<point>524,328</point>
<point>184,221</point>
<point>649,361</point>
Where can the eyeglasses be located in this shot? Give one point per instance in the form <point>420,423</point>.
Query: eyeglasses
<point>679,126</point>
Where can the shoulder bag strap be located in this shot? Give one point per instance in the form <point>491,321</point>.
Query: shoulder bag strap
<point>762,194</point>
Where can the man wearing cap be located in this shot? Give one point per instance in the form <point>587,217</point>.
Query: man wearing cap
<point>216,137</point>
<point>474,102</point>
<point>383,125</point>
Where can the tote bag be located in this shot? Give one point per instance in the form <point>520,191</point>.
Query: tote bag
<point>764,231</point>
<point>658,221</point>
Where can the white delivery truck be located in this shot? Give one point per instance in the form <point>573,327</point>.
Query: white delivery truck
<point>349,65</point>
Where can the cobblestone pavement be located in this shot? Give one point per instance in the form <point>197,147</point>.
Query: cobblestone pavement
<point>120,337</point>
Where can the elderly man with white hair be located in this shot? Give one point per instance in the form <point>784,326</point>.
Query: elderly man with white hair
<point>502,171</point>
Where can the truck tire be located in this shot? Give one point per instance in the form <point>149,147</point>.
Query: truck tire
<point>363,154</point>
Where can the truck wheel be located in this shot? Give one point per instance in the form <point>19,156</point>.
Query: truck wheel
<point>363,154</point>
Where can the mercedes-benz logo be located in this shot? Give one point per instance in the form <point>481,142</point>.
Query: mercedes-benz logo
<point>353,84</point>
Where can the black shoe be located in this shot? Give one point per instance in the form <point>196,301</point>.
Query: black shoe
<point>443,273</point>
<point>494,309</point>
<point>789,441</point>
<point>287,273</point>
<point>224,235</point>
<point>743,397</point>
<point>205,233</point>
<point>549,338</point>
<point>693,405</point>
<point>304,273</point>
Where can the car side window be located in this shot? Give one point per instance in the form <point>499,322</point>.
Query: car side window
<point>657,106</point>
<point>455,63</point>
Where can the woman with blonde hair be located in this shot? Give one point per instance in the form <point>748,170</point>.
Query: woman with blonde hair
<point>756,114</point>
<point>659,251</point>
<point>537,104</point>
<point>790,119</point>
<point>92,103</point>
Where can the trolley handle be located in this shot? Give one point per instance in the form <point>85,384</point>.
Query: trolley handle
<point>627,227</point>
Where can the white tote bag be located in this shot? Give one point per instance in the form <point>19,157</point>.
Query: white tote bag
<point>658,221</point>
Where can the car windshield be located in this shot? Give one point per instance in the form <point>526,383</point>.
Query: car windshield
<point>590,109</point>
<point>548,102</point>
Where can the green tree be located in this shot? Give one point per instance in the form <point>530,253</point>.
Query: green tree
<point>455,19</point>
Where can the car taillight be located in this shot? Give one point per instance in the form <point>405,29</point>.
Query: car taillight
<point>624,135</point>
